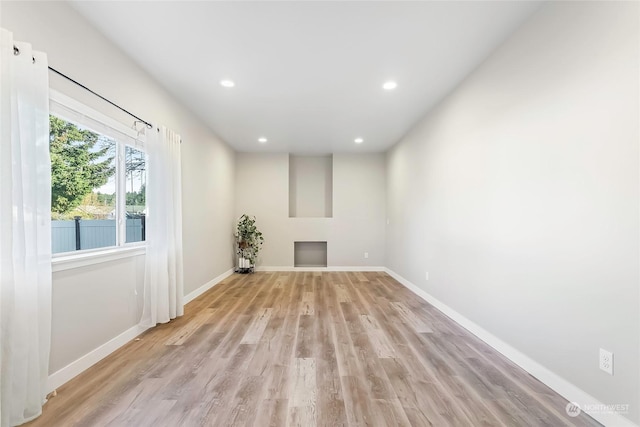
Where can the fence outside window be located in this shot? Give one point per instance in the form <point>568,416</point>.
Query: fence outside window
<point>78,234</point>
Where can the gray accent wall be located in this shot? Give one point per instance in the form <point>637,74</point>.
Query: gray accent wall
<point>358,205</point>
<point>519,195</point>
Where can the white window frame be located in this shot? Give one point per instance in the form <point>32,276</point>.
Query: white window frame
<point>70,109</point>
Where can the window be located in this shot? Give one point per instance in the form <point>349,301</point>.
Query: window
<point>136,184</point>
<point>98,180</point>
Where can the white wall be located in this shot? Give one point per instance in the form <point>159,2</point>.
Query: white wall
<point>94,304</point>
<point>519,195</point>
<point>357,225</point>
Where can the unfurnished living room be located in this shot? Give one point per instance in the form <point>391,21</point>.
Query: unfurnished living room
<point>319,213</point>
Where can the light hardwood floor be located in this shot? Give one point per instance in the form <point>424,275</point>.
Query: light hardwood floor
<point>307,349</point>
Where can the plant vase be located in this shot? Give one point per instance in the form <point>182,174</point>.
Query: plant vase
<point>244,262</point>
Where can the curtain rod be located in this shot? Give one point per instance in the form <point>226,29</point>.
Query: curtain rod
<point>149,125</point>
<point>16,51</point>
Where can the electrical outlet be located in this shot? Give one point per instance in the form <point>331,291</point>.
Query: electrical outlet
<point>606,361</point>
<point>426,275</point>
<point>366,254</point>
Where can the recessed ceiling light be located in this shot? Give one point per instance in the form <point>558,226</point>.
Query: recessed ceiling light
<point>358,140</point>
<point>390,85</point>
<point>227,83</point>
<point>262,140</point>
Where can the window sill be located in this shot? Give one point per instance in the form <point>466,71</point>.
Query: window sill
<point>77,260</point>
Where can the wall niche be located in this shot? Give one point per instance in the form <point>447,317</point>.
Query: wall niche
<point>309,254</point>
<point>310,186</point>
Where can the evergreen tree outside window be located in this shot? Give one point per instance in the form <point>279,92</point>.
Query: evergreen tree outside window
<point>98,189</point>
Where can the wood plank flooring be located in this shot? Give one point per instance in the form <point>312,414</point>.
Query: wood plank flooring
<point>307,349</point>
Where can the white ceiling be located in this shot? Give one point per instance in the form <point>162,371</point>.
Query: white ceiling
<point>308,74</point>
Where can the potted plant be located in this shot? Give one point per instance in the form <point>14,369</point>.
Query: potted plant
<point>248,243</point>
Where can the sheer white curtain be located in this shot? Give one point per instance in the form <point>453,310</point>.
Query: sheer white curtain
<point>25,231</point>
<point>163,276</point>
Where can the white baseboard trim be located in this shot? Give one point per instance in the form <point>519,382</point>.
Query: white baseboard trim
<point>76,367</point>
<point>561,386</point>
<point>204,288</point>
<point>332,268</point>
